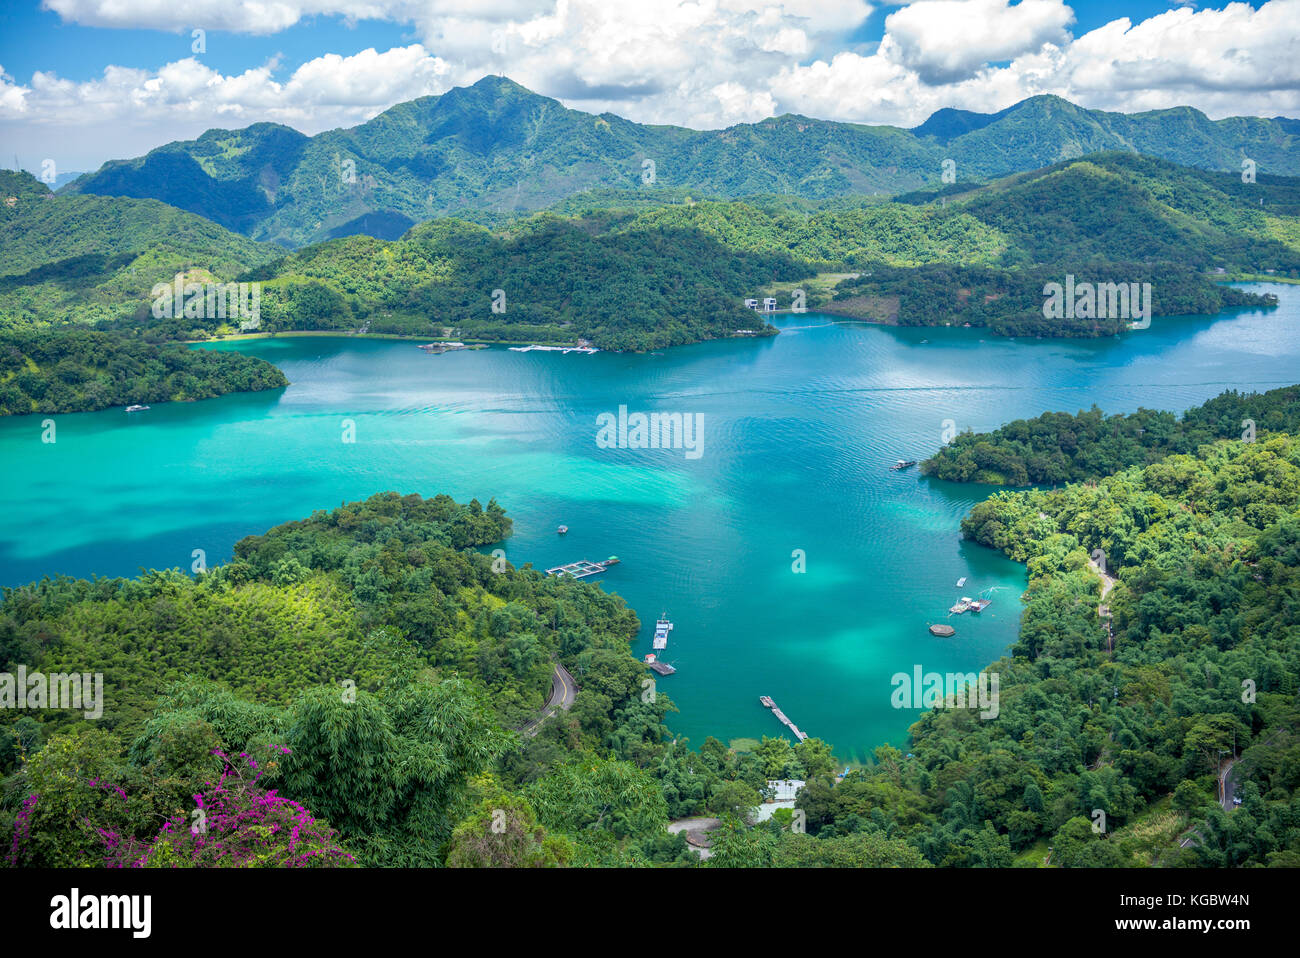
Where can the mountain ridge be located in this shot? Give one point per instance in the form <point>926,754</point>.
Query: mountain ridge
<point>495,150</point>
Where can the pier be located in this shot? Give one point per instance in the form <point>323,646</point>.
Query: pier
<point>766,702</point>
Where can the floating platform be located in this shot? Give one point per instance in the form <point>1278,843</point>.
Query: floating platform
<point>943,631</point>
<point>554,349</point>
<point>663,668</point>
<point>766,701</point>
<point>582,568</point>
<point>437,348</point>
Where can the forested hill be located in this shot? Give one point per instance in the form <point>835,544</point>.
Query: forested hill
<point>1199,665</point>
<point>558,280</point>
<point>1060,447</point>
<point>81,370</point>
<point>1108,207</point>
<point>85,259</point>
<point>495,150</point>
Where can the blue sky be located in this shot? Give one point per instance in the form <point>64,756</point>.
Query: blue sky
<point>97,79</point>
<point>39,39</point>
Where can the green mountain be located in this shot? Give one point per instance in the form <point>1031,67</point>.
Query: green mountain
<point>85,259</point>
<point>495,150</point>
<point>546,280</point>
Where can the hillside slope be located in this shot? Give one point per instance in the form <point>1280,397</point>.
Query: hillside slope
<point>91,258</point>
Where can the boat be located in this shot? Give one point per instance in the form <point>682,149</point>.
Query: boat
<point>960,607</point>
<point>662,628</point>
<point>961,582</point>
<point>562,530</point>
<point>979,605</point>
<point>612,560</point>
<point>766,702</point>
<point>903,464</point>
<point>136,408</point>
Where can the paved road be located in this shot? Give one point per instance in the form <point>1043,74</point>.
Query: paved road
<point>1107,582</point>
<point>564,689</point>
<point>1227,789</point>
<point>1227,786</point>
<point>699,825</point>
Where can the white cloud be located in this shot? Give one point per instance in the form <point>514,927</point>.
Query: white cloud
<point>321,93</point>
<point>1226,62</point>
<point>13,98</point>
<point>947,40</point>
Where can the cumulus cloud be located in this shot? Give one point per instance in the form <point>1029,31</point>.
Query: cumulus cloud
<point>947,40</point>
<point>323,92</point>
<point>1237,60</point>
<point>13,98</point>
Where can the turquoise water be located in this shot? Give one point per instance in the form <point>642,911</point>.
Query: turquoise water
<point>798,432</point>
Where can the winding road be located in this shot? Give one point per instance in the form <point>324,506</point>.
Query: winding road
<point>564,689</point>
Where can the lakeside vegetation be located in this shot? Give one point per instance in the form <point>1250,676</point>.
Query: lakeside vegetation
<point>1009,302</point>
<point>558,281</point>
<point>84,370</point>
<point>1060,447</point>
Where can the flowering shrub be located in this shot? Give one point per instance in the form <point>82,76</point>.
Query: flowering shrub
<point>22,829</point>
<point>235,824</point>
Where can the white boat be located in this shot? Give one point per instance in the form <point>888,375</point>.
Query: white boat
<point>136,408</point>
<point>662,628</point>
<point>961,582</point>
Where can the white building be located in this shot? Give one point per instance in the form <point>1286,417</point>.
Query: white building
<point>783,791</point>
<point>769,305</point>
<point>751,304</point>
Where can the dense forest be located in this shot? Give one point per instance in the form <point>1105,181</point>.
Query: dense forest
<point>557,282</point>
<point>1010,302</point>
<point>91,259</point>
<point>1058,447</point>
<point>83,370</point>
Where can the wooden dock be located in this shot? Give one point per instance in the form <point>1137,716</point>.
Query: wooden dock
<point>766,702</point>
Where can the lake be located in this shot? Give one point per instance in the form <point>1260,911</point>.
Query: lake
<point>798,433</point>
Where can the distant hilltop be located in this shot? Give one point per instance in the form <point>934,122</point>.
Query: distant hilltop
<point>496,150</point>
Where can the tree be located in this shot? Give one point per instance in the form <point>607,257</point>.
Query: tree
<point>503,832</point>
